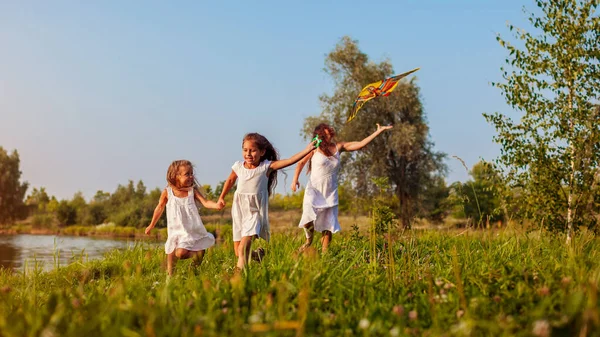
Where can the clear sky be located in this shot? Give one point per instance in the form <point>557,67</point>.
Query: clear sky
<point>93,94</point>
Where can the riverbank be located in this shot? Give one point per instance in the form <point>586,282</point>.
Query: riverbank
<point>106,231</point>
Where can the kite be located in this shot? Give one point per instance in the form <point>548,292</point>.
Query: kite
<point>379,88</point>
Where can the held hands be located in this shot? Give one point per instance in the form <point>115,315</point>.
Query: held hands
<point>220,204</point>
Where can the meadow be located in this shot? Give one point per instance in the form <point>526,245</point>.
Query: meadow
<point>462,282</point>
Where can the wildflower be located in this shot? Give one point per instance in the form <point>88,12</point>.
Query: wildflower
<point>541,328</point>
<point>544,291</point>
<point>364,324</point>
<point>398,310</point>
<point>254,318</point>
<point>412,315</point>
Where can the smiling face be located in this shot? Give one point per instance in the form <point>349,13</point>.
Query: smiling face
<point>185,176</point>
<point>251,153</point>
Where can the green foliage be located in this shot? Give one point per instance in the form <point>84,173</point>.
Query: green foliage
<point>433,204</point>
<point>286,202</point>
<point>12,191</point>
<point>478,199</point>
<point>551,156</point>
<point>478,284</point>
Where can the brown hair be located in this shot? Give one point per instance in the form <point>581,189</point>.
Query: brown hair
<point>325,145</point>
<point>172,175</point>
<point>270,154</point>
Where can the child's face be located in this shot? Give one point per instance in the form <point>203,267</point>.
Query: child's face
<point>185,176</point>
<point>252,153</point>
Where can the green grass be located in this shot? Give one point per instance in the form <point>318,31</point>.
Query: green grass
<point>500,283</point>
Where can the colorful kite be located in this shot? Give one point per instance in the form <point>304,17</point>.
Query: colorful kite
<point>379,88</point>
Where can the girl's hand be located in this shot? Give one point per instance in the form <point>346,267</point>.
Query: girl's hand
<point>383,128</point>
<point>295,186</point>
<point>311,145</point>
<point>148,229</point>
<point>221,204</point>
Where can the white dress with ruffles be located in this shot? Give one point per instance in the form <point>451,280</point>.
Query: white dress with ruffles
<point>321,194</point>
<point>184,226</point>
<point>250,207</point>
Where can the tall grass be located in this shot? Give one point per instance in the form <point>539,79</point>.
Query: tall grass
<point>501,283</point>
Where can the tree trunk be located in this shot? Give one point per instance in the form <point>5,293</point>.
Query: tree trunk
<point>571,176</point>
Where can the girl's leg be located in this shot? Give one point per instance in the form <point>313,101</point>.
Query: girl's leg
<point>244,251</point>
<point>236,248</point>
<point>198,257</point>
<point>183,254</point>
<point>309,229</point>
<point>170,263</point>
<point>325,240</point>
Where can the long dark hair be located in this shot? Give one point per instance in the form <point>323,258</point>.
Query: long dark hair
<point>325,144</point>
<point>271,154</point>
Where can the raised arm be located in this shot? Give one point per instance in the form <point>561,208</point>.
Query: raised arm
<point>158,211</point>
<point>354,146</point>
<point>226,187</point>
<point>299,168</point>
<point>279,164</point>
<point>205,202</point>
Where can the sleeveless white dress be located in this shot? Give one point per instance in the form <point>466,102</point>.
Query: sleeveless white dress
<point>321,194</point>
<point>250,207</point>
<point>184,226</point>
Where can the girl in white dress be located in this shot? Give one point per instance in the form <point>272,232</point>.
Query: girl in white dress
<point>320,205</point>
<point>257,177</point>
<point>186,235</point>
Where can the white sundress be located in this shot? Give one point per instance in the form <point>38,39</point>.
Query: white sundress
<point>184,226</point>
<point>320,202</point>
<point>250,207</point>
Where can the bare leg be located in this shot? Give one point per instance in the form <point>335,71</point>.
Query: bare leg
<point>198,257</point>
<point>170,263</point>
<point>325,240</point>
<point>309,229</point>
<point>183,254</point>
<point>236,248</point>
<point>244,251</point>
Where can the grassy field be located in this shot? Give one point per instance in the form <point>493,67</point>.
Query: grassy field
<point>453,283</point>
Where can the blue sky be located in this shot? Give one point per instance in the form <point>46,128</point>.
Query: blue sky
<point>93,94</point>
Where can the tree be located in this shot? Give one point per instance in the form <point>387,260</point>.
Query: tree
<point>479,198</point>
<point>37,200</point>
<point>433,199</point>
<point>405,154</point>
<point>12,191</point>
<point>552,154</point>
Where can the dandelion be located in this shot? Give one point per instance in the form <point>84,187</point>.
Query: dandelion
<point>395,331</point>
<point>364,324</point>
